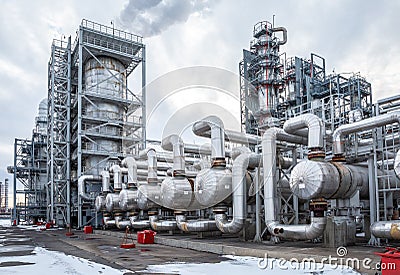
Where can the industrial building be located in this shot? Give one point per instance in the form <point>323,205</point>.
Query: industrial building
<point>316,159</point>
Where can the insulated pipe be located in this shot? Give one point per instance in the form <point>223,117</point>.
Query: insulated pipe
<point>386,229</point>
<point>122,224</point>
<point>116,169</point>
<point>284,34</point>
<point>174,143</point>
<point>397,164</point>
<point>240,166</point>
<point>81,186</point>
<point>317,225</point>
<point>130,163</point>
<point>314,125</point>
<point>194,225</point>
<point>105,180</point>
<point>136,223</point>
<point>157,225</point>
<point>149,196</point>
<point>299,232</point>
<point>362,125</point>
<point>152,166</point>
<point>216,127</point>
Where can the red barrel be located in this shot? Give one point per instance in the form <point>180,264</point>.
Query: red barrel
<point>146,236</point>
<point>48,225</point>
<point>88,229</point>
<point>390,261</point>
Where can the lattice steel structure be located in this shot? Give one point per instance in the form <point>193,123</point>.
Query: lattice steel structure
<point>94,118</point>
<point>58,138</point>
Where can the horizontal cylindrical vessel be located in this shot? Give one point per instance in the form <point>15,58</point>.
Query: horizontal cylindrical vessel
<point>100,203</point>
<point>176,193</point>
<point>149,196</point>
<point>112,202</point>
<point>317,179</point>
<point>128,199</point>
<point>213,186</point>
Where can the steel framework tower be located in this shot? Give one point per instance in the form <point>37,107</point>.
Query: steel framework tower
<point>94,119</point>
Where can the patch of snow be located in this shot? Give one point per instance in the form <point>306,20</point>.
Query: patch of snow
<point>246,265</point>
<point>46,261</point>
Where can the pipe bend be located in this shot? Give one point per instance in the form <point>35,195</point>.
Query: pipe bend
<point>362,125</point>
<point>284,33</point>
<point>81,186</point>
<point>214,125</point>
<point>175,144</point>
<point>240,166</point>
<point>315,127</point>
<point>130,163</point>
<point>299,232</point>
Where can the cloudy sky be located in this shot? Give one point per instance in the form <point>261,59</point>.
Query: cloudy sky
<point>353,36</point>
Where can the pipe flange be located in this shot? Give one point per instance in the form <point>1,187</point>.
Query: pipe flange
<point>339,158</point>
<point>218,162</point>
<point>220,210</point>
<point>314,154</point>
<point>177,212</point>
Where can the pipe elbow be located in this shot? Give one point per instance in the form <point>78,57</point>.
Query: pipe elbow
<point>284,34</point>
<point>170,141</point>
<point>234,226</point>
<point>130,163</point>
<point>203,126</point>
<point>299,232</point>
<point>315,127</point>
<point>82,187</point>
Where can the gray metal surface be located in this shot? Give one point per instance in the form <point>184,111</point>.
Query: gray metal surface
<point>195,225</point>
<point>212,186</point>
<point>313,123</point>
<point>240,166</point>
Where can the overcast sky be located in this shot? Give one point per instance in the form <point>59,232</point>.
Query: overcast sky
<point>353,36</point>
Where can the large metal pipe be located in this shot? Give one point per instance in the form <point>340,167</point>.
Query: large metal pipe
<point>82,186</point>
<point>122,224</point>
<point>386,229</point>
<point>116,170</point>
<point>276,229</point>
<point>194,225</point>
<point>284,34</point>
<point>397,164</point>
<point>174,143</point>
<point>158,225</point>
<point>329,180</point>
<point>152,166</point>
<point>130,163</point>
<point>314,125</point>
<point>177,193</point>
<point>105,180</point>
<point>216,127</point>
<point>299,232</point>
<point>362,125</point>
<point>136,223</point>
<point>100,203</point>
<point>240,166</point>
